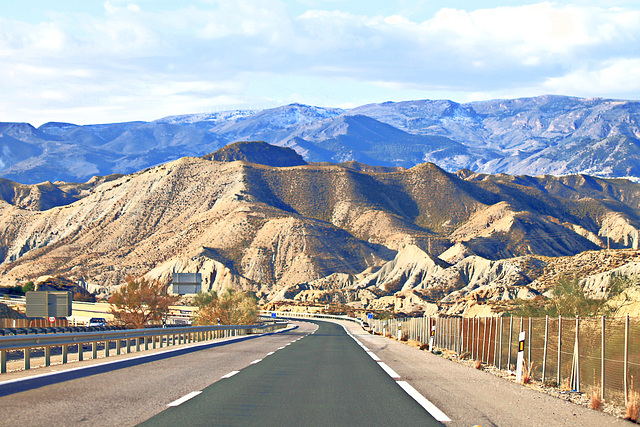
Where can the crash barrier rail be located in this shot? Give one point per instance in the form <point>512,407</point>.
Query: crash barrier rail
<point>56,330</point>
<point>590,355</point>
<point>296,315</point>
<point>130,337</point>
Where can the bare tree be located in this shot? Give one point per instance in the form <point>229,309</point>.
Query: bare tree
<point>140,301</point>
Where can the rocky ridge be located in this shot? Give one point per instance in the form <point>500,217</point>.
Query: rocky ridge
<point>413,240</point>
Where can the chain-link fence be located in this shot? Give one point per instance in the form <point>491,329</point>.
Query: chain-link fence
<point>600,355</point>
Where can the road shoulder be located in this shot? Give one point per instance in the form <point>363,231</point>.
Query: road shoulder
<point>474,397</point>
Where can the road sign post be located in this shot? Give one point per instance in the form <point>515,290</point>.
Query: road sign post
<point>432,336</point>
<point>520,359</point>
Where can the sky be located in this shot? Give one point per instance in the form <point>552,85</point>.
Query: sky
<point>89,62</point>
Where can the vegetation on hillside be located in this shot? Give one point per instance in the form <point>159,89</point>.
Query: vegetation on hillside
<point>569,299</point>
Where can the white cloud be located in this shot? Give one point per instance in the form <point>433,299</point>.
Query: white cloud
<point>615,78</point>
<point>137,57</point>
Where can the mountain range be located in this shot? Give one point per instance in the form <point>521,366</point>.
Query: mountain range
<point>546,135</point>
<point>257,216</point>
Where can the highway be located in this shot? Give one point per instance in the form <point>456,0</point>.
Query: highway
<point>313,375</point>
<point>316,374</point>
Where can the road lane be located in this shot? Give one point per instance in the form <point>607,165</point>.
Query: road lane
<point>129,395</point>
<point>323,379</point>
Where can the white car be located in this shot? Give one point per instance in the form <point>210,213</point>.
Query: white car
<point>97,321</point>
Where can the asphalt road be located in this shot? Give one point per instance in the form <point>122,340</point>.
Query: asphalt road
<point>290,378</point>
<point>323,379</point>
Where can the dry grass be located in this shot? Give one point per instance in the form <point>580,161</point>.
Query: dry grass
<point>527,373</point>
<point>404,337</point>
<point>477,364</point>
<point>595,402</point>
<point>414,343</point>
<point>632,410</point>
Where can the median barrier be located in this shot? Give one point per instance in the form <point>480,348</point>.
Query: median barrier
<point>129,337</point>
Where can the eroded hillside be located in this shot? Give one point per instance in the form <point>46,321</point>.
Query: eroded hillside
<point>369,237</point>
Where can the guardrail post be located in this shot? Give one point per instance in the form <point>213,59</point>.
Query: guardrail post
<point>118,346</point>
<point>65,353</point>
<point>80,352</point>
<point>27,358</point>
<point>106,348</point>
<point>137,344</point>
<point>47,356</point>
<point>128,345</point>
<point>146,343</point>
<point>3,361</point>
<point>94,350</point>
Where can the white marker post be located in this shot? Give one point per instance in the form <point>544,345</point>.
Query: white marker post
<point>399,331</point>
<point>520,360</point>
<point>432,337</point>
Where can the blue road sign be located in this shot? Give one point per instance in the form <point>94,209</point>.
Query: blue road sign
<point>370,316</point>
<point>273,315</point>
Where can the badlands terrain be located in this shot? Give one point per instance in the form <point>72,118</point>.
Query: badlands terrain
<point>259,217</point>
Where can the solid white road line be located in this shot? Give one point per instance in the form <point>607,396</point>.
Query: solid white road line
<point>184,398</point>
<point>388,370</point>
<point>230,374</point>
<point>270,353</point>
<point>415,394</point>
<point>373,356</point>
<point>424,402</point>
<point>255,361</point>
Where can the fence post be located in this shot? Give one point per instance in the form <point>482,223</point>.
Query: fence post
<point>484,340</point>
<point>510,338</point>
<point>544,353</point>
<point>602,356</point>
<point>460,330</point>
<point>468,335</point>
<point>473,338</point>
<point>500,354</point>
<point>495,344</point>
<point>575,371</point>
<point>530,343</point>
<point>559,350</point>
<point>626,360</point>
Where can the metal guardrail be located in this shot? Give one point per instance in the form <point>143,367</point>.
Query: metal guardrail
<point>155,336</point>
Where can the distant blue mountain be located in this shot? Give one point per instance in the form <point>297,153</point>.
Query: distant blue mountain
<point>553,135</point>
